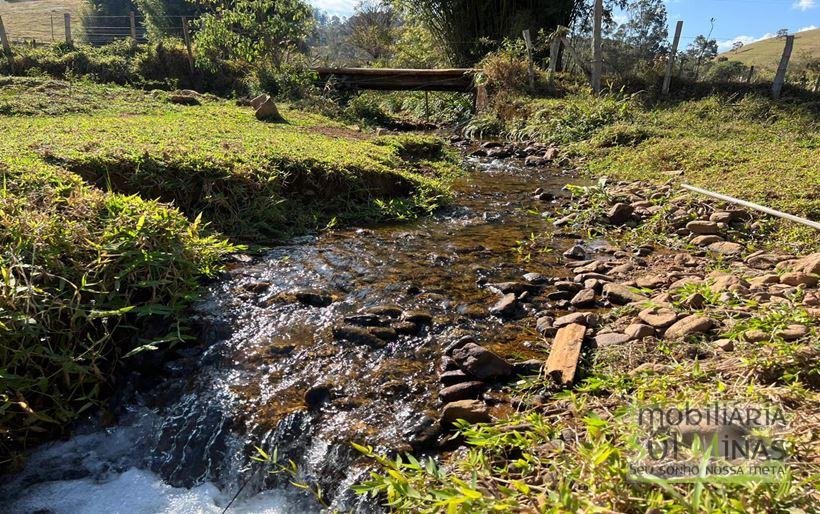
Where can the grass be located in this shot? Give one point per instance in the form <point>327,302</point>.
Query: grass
<point>765,55</point>
<point>31,19</point>
<point>572,451</point>
<point>115,203</point>
<point>738,145</point>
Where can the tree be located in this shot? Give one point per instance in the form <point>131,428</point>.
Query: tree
<point>468,29</point>
<point>372,28</point>
<point>163,17</point>
<point>102,18</point>
<point>645,30</point>
<point>782,33</point>
<point>737,45</point>
<point>253,30</point>
<point>702,48</point>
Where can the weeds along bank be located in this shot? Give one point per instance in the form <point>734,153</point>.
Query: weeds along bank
<point>745,145</point>
<point>115,203</point>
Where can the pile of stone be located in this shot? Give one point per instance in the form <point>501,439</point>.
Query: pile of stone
<point>379,325</point>
<point>534,154</point>
<point>666,291</point>
<point>464,372</point>
<point>698,222</point>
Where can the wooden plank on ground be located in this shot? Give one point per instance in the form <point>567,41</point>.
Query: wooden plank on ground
<point>565,353</point>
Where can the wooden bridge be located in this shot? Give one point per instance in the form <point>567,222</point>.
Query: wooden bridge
<point>401,79</point>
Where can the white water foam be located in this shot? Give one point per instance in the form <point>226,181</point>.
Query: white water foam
<point>141,492</point>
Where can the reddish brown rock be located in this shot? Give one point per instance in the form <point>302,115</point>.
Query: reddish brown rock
<point>562,362</point>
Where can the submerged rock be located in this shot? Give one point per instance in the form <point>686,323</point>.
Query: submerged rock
<point>481,363</point>
<point>313,298</point>
<point>506,306</point>
<point>357,335</point>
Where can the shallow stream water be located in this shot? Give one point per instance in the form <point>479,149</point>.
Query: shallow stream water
<point>185,445</point>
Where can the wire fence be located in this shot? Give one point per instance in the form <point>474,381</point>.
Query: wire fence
<point>61,26</point>
<point>618,63</point>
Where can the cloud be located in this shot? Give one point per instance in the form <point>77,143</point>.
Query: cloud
<point>804,29</point>
<point>726,45</point>
<point>804,5</point>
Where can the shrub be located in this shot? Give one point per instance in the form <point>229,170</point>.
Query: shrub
<point>726,71</point>
<point>162,64</point>
<point>85,278</point>
<point>368,110</point>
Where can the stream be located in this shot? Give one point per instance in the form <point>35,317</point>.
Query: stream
<point>186,434</point>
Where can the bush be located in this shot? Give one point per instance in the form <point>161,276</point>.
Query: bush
<point>291,80</point>
<point>367,109</point>
<point>163,64</point>
<point>726,71</point>
<point>85,278</point>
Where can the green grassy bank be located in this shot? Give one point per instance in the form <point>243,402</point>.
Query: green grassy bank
<point>115,203</point>
<point>747,146</point>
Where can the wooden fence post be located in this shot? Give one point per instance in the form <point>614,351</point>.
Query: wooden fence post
<point>68,38</point>
<point>576,59</point>
<point>780,78</point>
<point>555,48</point>
<point>51,16</point>
<point>751,72</point>
<point>4,39</point>
<point>528,42</point>
<point>132,18</point>
<point>597,51</point>
<point>6,47</point>
<point>667,80</point>
<point>187,35</point>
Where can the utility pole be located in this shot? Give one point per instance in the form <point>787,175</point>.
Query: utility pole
<point>597,51</point>
<point>703,50</point>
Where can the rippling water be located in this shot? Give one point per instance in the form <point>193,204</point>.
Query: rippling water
<point>185,445</point>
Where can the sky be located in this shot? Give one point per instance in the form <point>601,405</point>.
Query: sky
<point>735,20</point>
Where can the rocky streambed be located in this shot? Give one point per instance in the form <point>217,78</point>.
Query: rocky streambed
<point>387,335</point>
<point>324,341</point>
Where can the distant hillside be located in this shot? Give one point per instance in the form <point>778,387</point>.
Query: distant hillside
<point>765,55</point>
<point>31,19</point>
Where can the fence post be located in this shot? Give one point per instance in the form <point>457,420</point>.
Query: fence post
<point>528,41</point>
<point>667,80</point>
<point>555,47</point>
<point>132,18</point>
<point>751,72</point>
<point>187,35</point>
<point>68,38</point>
<point>816,85</point>
<point>597,51</point>
<point>780,78</point>
<point>51,16</point>
<point>4,39</point>
<point>576,59</point>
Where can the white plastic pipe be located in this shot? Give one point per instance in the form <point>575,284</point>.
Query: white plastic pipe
<point>750,205</point>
